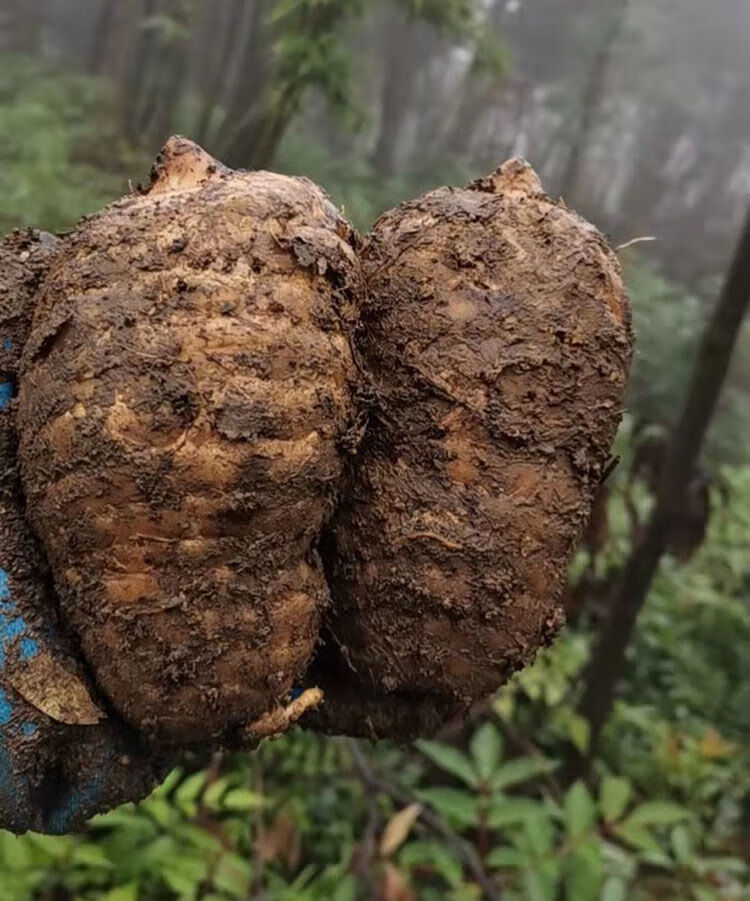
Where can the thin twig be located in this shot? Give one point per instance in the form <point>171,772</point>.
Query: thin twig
<point>633,241</point>
<point>373,782</point>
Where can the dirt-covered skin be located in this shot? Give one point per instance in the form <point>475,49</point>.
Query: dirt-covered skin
<point>62,757</point>
<point>24,259</point>
<point>497,338</point>
<point>352,706</point>
<point>185,401</point>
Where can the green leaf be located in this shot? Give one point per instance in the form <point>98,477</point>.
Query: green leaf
<point>534,887</point>
<point>540,834</point>
<point>456,805</point>
<point>161,810</point>
<point>637,837</point>
<point>682,845</point>
<point>701,893</point>
<point>190,789</point>
<point>486,747</point>
<point>213,795</point>
<point>127,892</point>
<point>15,853</point>
<point>181,883</point>
<point>511,811</point>
<point>579,731</point>
<point>451,760</point>
<point>184,874</point>
<point>579,810</point>
<point>584,870</point>
<point>615,889</point>
<point>51,847</point>
<point>435,855</point>
<point>502,858</point>
<point>233,875</point>
<point>168,784</point>
<point>90,855</point>
<point>614,796</point>
<point>656,859</point>
<point>521,770</point>
<point>191,835</point>
<point>732,865</point>
<point>242,799</point>
<point>658,813</point>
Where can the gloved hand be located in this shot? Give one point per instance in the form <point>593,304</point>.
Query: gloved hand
<point>62,757</point>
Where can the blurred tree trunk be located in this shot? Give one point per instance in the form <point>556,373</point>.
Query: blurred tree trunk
<point>249,100</point>
<point>657,137</point>
<point>408,47</point>
<point>226,32</point>
<point>140,65</point>
<point>116,36</point>
<point>394,98</point>
<point>607,663</point>
<point>170,84</point>
<point>102,36</point>
<point>20,25</point>
<point>591,102</point>
<point>476,94</point>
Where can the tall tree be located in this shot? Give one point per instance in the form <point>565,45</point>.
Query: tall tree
<point>413,33</point>
<point>20,25</point>
<point>709,373</point>
<point>595,90</point>
<point>102,35</point>
<point>488,67</point>
<point>398,70</point>
<point>247,84</point>
<point>169,81</point>
<point>225,24</point>
<point>134,86</point>
<point>308,50</point>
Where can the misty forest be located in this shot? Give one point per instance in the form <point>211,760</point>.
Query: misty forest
<point>617,766</point>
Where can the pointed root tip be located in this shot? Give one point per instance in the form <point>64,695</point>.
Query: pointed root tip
<point>516,176</point>
<point>181,164</point>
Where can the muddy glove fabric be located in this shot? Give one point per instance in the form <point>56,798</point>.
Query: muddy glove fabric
<point>63,758</point>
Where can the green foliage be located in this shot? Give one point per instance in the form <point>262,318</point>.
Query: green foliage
<point>453,16</point>
<point>309,51</point>
<point>194,837</point>
<point>50,120</point>
<point>590,845</point>
<point>668,323</point>
<point>354,184</point>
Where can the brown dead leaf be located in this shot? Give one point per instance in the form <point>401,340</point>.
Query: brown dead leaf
<point>59,694</point>
<point>714,746</point>
<point>393,885</point>
<point>279,842</point>
<point>398,829</point>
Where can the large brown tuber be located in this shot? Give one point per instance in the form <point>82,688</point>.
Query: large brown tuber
<point>201,358</point>
<point>496,338</point>
<point>185,399</point>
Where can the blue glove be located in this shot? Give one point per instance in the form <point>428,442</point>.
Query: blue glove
<point>62,757</point>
